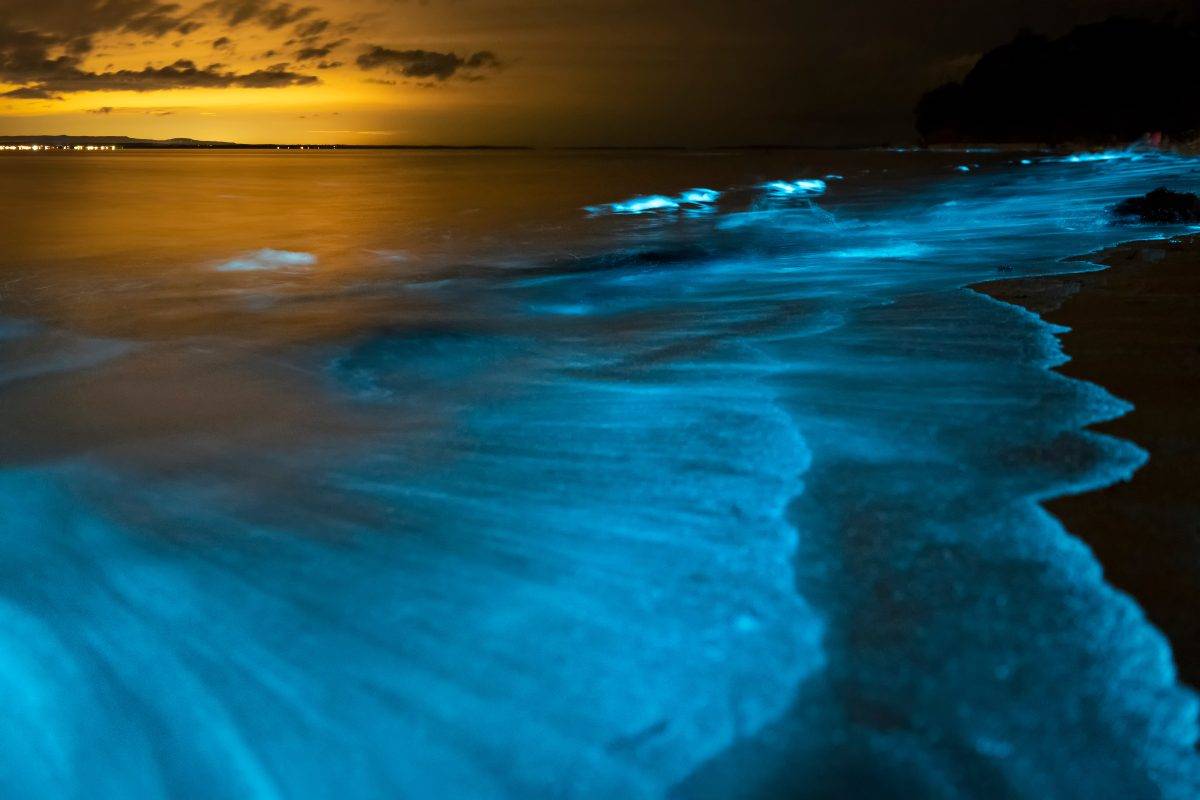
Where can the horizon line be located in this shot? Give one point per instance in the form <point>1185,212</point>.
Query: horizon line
<point>188,143</point>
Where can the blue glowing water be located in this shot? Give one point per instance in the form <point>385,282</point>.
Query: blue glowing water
<point>800,186</point>
<point>701,492</point>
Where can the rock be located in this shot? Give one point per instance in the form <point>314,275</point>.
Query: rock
<point>1161,206</point>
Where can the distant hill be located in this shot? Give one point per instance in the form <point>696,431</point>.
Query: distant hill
<point>1112,81</point>
<point>125,141</point>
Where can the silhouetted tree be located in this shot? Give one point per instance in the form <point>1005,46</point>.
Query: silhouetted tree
<point>1111,81</point>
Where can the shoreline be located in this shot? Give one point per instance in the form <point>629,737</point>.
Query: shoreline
<point>1135,331</point>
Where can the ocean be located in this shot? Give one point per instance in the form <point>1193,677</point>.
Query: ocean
<point>562,474</point>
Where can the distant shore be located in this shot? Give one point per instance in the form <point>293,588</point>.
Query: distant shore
<point>77,142</point>
<point>80,143</point>
<point>1135,330</point>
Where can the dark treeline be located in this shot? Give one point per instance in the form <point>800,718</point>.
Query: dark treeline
<point>1112,81</point>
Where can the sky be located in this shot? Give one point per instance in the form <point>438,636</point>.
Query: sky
<point>501,72</point>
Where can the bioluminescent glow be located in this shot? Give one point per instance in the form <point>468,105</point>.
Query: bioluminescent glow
<point>804,186</point>
<point>637,205</point>
<point>267,259</point>
<point>631,503</point>
<point>1129,154</point>
<point>889,251</point>
<point>658,202</point>
<point>700,196</point>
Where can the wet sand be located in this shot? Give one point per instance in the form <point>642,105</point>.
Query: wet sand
<point>1135,329</point>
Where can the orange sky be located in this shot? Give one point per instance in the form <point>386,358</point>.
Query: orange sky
<point>345,103</point>
<point>539,72</point>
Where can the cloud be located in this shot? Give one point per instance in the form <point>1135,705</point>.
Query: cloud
<point>48,48</point>
<point>154,111</point>
<point>64,24</point>
<point>308,53</point>
<point>59,76</point>
<point>484,59</point>
<point>262,12</point>
<point>46,64</point>
<point>311,29</point>
<point>80,46</point>
<point>31,93</point>
<point>425,63</point>
<point>282,14</point>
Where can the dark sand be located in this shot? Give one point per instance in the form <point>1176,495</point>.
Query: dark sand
<point>1135,330</point>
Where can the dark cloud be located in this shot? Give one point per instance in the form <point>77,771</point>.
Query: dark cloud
<point>31,93</point>
<point>484,59</point>
<point>21,46</point>
<point>283,14</point>
<point>309,53</point>
<point>156,21</point>
<point>47,62</point>
<point>68,25</point>
<point>101,110</point>
<point>425,63</point>
<point>42,44</point>
<point>45,44</point>
<point>64,75</point>
<point>269,15</point>
<point>310,29</point>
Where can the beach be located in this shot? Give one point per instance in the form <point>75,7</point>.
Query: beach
<point>1135,330</point>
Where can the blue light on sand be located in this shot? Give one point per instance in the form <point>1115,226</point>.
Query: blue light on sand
<point>802,187</point>
<point>963,168</point>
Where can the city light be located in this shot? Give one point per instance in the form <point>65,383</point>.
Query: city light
<point>57,147</point>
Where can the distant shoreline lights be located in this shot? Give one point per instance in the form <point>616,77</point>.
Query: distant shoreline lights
<point>59,147</point>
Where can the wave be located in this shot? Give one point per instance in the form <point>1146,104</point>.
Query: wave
<point>739,503</point>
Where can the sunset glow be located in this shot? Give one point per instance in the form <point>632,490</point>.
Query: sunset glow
<point>497,72</point>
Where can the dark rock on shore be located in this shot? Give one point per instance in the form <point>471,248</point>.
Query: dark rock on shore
<point>1161,206</point>
<point>1112,81</point>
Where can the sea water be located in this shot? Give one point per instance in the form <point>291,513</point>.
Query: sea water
<point>561,474</point>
